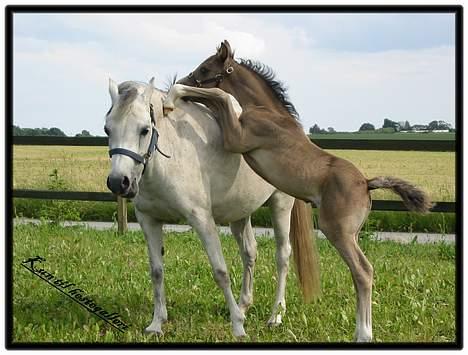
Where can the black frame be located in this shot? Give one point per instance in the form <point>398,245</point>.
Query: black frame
<point>455,9</point>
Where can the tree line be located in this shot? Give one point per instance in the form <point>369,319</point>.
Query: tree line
<point>390,126</point>
<point>53,131</point>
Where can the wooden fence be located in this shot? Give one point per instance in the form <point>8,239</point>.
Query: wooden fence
<point>366,144</point>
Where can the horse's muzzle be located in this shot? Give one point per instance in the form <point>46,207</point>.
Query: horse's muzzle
<point>121,185</point>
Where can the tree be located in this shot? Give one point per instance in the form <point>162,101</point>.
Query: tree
<point>54,131</point>
<point>438,125</point>
<point>406,126</point>
<point>331,130</point>
<point>367,127</point>
<point>84,133</point>
<point>315,129</point>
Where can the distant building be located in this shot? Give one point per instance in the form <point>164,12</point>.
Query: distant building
<point>419,128</point>
<point>440,130</point>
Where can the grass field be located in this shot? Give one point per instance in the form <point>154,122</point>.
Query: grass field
<point>413,294</point>
<point>392,136</point>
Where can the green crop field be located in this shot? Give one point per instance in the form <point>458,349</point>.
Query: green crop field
<point>86,168</point>
<point>413,292</point>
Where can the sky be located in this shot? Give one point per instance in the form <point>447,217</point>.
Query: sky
<point>341,70</point>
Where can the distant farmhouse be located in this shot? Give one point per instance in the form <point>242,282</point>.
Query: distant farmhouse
<point>418,128</point>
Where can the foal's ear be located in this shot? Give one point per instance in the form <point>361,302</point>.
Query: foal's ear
<point>224,51</point>
<point>113,91</point>
<point>149,90</point>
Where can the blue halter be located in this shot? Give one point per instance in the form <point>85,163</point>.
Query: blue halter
<point>143,159</point>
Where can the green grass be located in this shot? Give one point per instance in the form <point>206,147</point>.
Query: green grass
<point>413,295</point>
<point>392,136</point>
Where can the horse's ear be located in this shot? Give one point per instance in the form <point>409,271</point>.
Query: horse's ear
<point>149,90</point>
<point>224,51</point>
<point>113,91</point>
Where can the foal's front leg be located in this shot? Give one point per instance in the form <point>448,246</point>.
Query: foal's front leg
<point>227,112</point>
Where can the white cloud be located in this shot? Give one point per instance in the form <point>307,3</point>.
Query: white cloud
<point>333,88</point>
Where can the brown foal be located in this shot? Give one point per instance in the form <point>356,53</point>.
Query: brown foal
<point>258,121</point>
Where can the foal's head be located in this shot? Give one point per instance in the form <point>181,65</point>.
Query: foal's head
<point>213,70</point>
<point>129,126</point>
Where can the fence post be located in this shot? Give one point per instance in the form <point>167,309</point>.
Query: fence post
<point>121,214</point>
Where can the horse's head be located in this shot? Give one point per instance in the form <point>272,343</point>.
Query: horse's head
<point>213,70</point>
<point>130,125</point>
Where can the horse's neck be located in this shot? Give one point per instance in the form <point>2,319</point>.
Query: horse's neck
<point>183,133</point>
<point>250,89</point>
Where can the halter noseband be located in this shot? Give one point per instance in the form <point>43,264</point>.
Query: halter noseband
<point>218,78</point>
<point>143,159</point>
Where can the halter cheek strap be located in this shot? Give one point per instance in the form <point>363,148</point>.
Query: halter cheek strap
<point>218,78</point>
<point>143,159</point>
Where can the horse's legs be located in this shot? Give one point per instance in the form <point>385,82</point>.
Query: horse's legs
<point>205,226</point>
<point>236,137</point>
<point>281,205</point>
<point>152,230</point>
<point>343,233</point>
<point>243,233</point>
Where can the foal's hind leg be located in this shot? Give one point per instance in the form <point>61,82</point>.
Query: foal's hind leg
<point>341,226</point>
<point>281,205</point>
<point>243,233</point>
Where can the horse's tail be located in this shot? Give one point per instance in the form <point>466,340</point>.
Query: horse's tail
<point>304,250</point>
<point>414,198</point>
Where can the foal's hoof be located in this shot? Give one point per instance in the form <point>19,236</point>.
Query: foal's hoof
<point>167,110</point>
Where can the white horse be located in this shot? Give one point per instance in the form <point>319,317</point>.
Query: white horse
<point>200,182</point>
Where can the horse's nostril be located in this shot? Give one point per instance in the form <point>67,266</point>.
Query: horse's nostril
<point>125,184</point>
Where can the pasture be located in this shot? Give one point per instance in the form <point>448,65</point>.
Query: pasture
<point>413,296</point>
<point>86,168</point>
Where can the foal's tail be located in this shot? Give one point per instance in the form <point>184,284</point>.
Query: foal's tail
<point>304,250</point>
<point>414,198</point>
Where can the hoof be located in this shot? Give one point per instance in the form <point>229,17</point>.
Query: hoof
<point>363,338</point>
<point>153,330</point>
<point>167,110</point>
<point>275,321</point>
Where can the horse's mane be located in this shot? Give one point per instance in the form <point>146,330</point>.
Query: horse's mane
<point>278,87</point>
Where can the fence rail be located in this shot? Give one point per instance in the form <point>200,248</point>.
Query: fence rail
<point>325,143</point>
<point>377,205</point>
<point>361,144</point>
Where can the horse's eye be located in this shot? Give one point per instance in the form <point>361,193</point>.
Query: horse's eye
<point>203,70</point>
<point>144,131</point>
<point>106,130</point>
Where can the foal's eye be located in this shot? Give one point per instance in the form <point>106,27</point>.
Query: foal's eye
<point>144,131</point>
<point>203,70</point>
<point>106,130</point>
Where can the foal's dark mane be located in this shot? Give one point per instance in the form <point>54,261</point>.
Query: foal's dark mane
<point>267,74</point>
